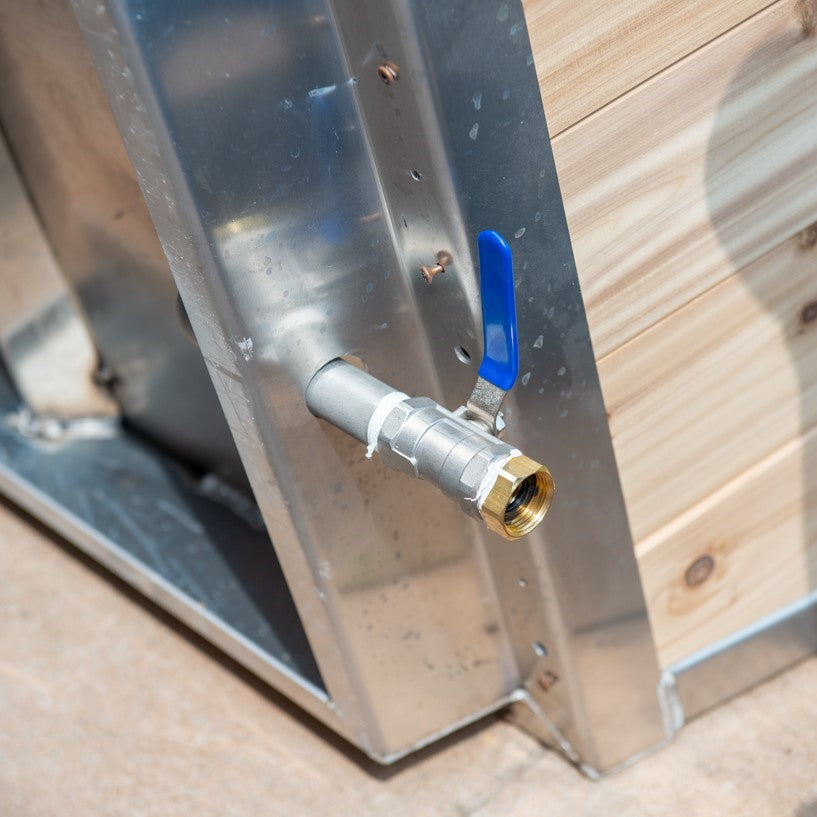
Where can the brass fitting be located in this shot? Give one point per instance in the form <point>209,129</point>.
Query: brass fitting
<point>519,498</point>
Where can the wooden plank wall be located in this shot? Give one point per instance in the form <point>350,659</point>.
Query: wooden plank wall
<point>685,135</point>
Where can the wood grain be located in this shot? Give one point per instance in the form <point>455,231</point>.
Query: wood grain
<point>587,54</point>
<point>761,532</point>
<point>715,387</point>
<point>692,175</point>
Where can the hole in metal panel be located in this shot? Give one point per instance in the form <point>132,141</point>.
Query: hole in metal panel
<point>463,355</point>
<point>540,649</point>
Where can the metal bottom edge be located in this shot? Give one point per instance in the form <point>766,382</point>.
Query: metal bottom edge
<point>742,660</point>
<point>141,516</point>
<point>130,509</point>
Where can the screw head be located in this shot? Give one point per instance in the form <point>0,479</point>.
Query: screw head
<point>388,72</point>
<point>443,260</point>
<point>428,273</point>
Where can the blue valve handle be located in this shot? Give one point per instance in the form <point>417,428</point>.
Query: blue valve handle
<point>500,364</point>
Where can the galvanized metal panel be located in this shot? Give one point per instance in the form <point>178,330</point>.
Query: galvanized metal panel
<point>63,137</point>
<point>296,196</point>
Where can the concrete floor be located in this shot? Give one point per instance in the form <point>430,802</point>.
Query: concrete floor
<point>108,707</point>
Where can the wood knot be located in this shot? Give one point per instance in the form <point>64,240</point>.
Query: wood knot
<point>807,12</point>
<point>808,238</point>
<point>699,571</point>
<point>808,314</point>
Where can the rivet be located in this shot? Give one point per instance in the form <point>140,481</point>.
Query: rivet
<point>389,72</point>
<point>699,571</point>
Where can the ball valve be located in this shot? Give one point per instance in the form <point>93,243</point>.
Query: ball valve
<point>459,451</point>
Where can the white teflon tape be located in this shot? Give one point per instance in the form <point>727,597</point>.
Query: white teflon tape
<point>490,477</point>
<point>379,415</point>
